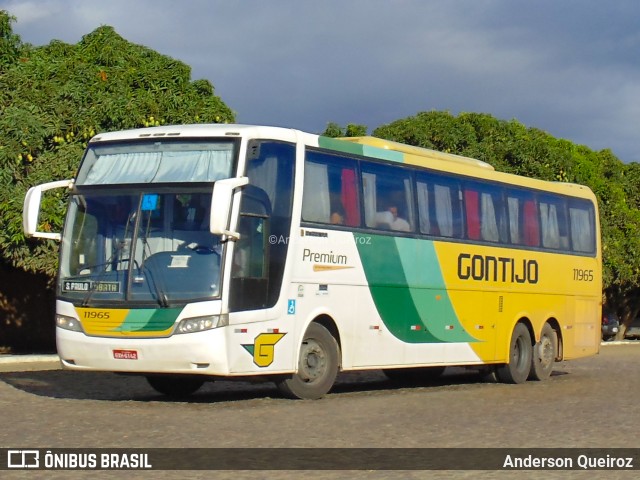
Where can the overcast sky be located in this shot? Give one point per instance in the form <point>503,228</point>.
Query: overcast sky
<point>569,67</point>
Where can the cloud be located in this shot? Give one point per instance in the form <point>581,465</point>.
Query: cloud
<point>566,67</point>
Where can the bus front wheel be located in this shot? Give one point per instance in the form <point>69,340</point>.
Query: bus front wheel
<point>174,386</point>
<point>520,355</point>
<point>317,366</point>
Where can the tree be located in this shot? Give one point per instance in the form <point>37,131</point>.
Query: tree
<point>10,43</point>
<point>54,98</point>
<point>435,130</point>
<point>334,130</point>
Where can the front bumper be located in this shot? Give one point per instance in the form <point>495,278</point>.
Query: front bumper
<point>194,353</point>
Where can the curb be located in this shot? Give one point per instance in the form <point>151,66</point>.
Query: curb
<point>620,342</point>
<point>12,359</point>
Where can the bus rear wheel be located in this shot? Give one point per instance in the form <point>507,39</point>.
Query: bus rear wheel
<point>174,386</point>
<point>317,366</point>
<point>544,354</point>
<point>520,354</point>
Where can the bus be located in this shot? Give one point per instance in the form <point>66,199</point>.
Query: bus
<point>200,252</point>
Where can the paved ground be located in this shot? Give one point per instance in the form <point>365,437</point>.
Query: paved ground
<point>589,402</point>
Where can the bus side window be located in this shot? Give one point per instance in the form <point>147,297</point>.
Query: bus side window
<point>349,196</point>
<point>270,168</point>
<point>448,208</point>
<point>472,209</point>
<point>524,228</point>
<point>531,224</point>
<point>494,222</point>
<point>440,208</point>
<point>250,269</point>
<point>514,209</point>
<point>330,190</point>
<point>388,198</point>
<point>553,220</point>
<point>316,205</point>
<point>581,218</point>
<point>424,214</point>
<point>249,256</point>
<point>484,211</point>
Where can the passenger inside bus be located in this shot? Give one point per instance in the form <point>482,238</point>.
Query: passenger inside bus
<point>337,218</point>
<point>397,223</point>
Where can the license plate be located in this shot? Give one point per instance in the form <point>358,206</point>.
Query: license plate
<point>125,354</point>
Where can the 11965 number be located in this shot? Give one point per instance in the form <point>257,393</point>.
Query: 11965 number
<point>582,275</point>
<point>99,314</point>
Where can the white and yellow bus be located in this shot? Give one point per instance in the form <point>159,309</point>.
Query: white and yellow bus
<point>192,253</point>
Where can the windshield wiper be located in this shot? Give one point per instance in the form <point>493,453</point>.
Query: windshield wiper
<point>119,247</point>
<point>161,296</point>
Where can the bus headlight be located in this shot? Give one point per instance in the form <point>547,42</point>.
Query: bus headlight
<point>199,324</point>
<point>68,323</point>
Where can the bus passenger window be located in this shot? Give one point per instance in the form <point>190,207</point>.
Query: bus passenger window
<point>581,218</point>
<point>448,210</point>
<point>330,190</point>
<point>349,196</point>
<point>523,218</point>
<point>424,214</point>
<point>554,223</point>
<point>472,211</point>
<point>388,198</point>
<point>531,225</point>
<point>515,228</point>
<point>316,200</point>
<point>484,212</point>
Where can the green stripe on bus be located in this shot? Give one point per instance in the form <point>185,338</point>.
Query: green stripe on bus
<point>383,154</point>
<point>360,149</point>
<point>340,145</point>
<point>149,320</point>
<point>408,289</point>
<point>422,270</point>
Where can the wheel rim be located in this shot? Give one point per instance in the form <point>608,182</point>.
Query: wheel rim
<point>546,352</point>
<point>313,361</point>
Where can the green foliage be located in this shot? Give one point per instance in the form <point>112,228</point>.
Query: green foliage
<point>435,130</point>
<point>334,130</point>
<point>54,98</point>
<point>9,42</point>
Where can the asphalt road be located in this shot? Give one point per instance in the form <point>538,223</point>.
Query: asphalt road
<point>587,403</point>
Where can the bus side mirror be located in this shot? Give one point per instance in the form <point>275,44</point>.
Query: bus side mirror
<point>221,206</point>
<point>31,209</point>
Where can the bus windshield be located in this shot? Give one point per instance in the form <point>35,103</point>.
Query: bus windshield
<point>155,161</point>
<point>150,247</point>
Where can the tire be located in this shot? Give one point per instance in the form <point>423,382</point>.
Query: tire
<point>175,386</point>
<point>544,354</point>
<point>413,375</point>
<point>317,366</point>
<point>520,354</point>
